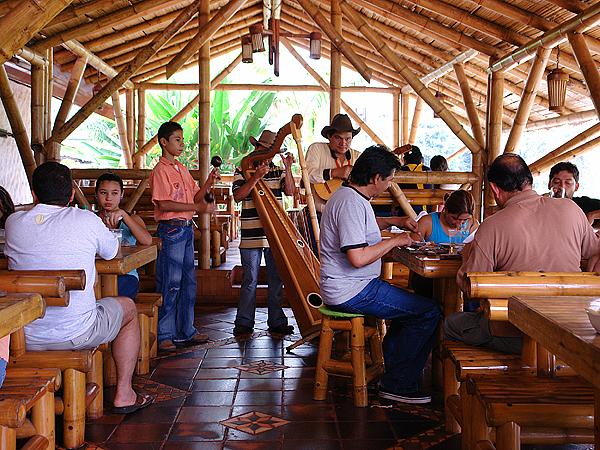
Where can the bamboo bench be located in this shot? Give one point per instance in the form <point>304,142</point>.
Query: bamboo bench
<point>147,305</point>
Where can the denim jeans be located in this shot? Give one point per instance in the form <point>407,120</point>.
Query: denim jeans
<point>176,281</point>
<point>410,336</point>
<point>251,258</point>
<point>128,286</point>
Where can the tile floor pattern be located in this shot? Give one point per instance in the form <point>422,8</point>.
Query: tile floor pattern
<point>205,402</point>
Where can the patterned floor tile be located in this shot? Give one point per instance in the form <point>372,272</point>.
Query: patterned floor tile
<point>254,422</point>
<point>161,392</point>
<point>424,440</point>
<point>261,367</point>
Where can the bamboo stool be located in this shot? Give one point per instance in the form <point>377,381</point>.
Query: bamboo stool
<point>356,368</point>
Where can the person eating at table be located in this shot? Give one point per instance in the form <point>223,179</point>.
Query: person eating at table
<point>53,236</point>
<point>7,207</point>
<point>351,252</point>
<point>109,193</point>
<point>529,233</point>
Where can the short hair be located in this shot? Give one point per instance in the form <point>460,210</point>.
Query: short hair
<point>413,156</point>
<point>7,207</point>
<point>510,173</point>
<point>52,183</point>
<point>569,167</point>
<point>109,176</point>
<point>459,202</point>
<point>375,160</point>
<point>438,164</point>
<point>166,130</point>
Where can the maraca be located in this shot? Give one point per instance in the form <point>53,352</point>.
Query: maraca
<point>216,162</point>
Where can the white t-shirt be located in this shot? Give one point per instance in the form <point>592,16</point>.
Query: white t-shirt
<point>60,238</point>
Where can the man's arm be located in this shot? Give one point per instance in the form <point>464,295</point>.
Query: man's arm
<point>244,190</point>
<point>360,257</point>
<point>474,260</point>
<point>289,185</point>
<point>401,222</point>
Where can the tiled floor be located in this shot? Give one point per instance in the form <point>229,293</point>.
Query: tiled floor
<point>249,394</point>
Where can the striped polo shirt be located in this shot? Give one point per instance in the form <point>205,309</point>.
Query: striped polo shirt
<point>253,235</point>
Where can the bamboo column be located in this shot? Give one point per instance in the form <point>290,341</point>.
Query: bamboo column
<point>204,127</point>
<point>529,93</point>
<point>122,130</point>
<point>138,158</point>
<point>405,100</point>
<point>588,67</point>
<point>463,83</point>
<point>37,110</point>
<point>52,151</point>
<point>130,118</point>
<point>396,119</point>
<point>414,127</point>
<point>493,133</point>
<point>335,78</point>
<point>401,199</point>
<point>16,124</point>
<point>70,92</point>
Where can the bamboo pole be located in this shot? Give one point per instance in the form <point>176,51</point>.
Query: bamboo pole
<point>587,66</point>
<point>401,199</point>
<point>70,92</point>
<point>37,110</point>
<point>32,57</point>
<point>137,194</point>
<point>145,148</point>
<point>53,151</point>
<point>569,119</point>
<point>80,197</point>
<point>435,177</point>
<point>335,77</point>
<point>204,115</point>
<point>124,74</point>
<point>16,124</point>
<point>537,166</point>
<point>141,126</point>
<point>207,31</point>
<point>529,93</point>
<point>493,133</point>
<point>122,130</point>
<point>463,82</point>
<point>337,40</point>
<point>411,79</point>
<point>396,119</point>
<point>414,127</point>
<point>263,87</point>
<point>405,102</point>
<point>577,151</point>
<point>130,119</point>
<point>456,154</point>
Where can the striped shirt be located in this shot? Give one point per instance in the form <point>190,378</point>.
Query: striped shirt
<point>253,235</point>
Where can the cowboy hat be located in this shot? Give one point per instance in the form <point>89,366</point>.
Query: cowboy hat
<point>266,139</point>
<point>340,122</point>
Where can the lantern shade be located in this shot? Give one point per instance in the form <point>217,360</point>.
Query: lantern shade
<point>256,34</point>
<point>246,49</point>
<point>557,81</point>
<point>315,45</point>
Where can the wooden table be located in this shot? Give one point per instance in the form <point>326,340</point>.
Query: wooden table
<point>17,310</point>
<point>128,258</point>
<point>561,326</point>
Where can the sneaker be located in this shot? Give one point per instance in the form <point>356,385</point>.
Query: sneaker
<point>417,397</point>
<point>240,330</point>
<point>166,346</point>
<point>283,329</point>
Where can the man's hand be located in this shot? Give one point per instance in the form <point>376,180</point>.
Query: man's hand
<point>288,160</point>
<point>203,207</point>
<point>261,171</point>
<point>402,239</point>
<point>213,176</point>
<point>341,172</point>
<point>408,223</point>
<point>111,218</point>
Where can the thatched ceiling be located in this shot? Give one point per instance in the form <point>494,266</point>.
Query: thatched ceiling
<point>425,33</point>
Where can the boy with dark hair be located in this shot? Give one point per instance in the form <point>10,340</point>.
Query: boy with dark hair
<point>565,175</point>
<point>176,197</point>
<point>413,162</point>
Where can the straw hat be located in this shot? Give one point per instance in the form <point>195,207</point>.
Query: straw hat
<point>340,122</point>
<point>266,139</point>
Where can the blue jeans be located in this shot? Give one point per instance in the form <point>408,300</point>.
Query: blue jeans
<point>176,281</point>
<point>128,286</point>
<point>410,336</point>
<point>251,258</point>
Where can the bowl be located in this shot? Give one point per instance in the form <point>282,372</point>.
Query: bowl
<point>593,313</point>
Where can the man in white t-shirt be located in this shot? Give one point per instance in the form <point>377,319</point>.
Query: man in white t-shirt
<point>53,236</point>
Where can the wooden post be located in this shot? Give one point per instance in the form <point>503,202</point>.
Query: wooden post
<point>494,128</point>
<point>54,150</point>
<point>456,154</point>
<point>130,118</point>
<point>529,93</point>
<point>122,130</point>
<point>204,128</point>
<point>396,119</point>
<point>405,99</point>
<point>401,199</point>
<point>16,124</point>
<point>414,127</point>
<point>587,66</point>
<point>37,109</point>
<point>463,82</point>
<point>42,418</point>
<point>70,92</point>
<point>141,126</point>
<point>335,78</point>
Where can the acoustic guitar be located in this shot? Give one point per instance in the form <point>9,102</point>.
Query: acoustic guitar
<point>325,190</point>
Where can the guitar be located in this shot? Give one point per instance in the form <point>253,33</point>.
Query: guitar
<point>325,190</point>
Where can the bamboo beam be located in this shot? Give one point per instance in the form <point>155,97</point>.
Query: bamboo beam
<point>526,103</point>
<point>130,119</point>
<point>396,120</point>
<point>463,83</point>
<point>70,92</point>
<point>405,102</point>
<point>72,12</point>
<point>21,24</point>
<point>137,194</point>
<point>575,6</point>
<point>337,40</point>
<point>16,124</point>
<point>32,57</point>
<point>577,151</point>
<point>335,76</point>
<point>493,133</point>
<point>456,154</point>
<point>37,109</point>
<point>414,127</point>
<point>262,87</point>
<point>141,125</point>
<point>587,66</point>
<point>53,151</point>
<point>124,74</point>
<point>203,36</point>
<point>411,79</point>
<point>570,119</point>
<point>435,177</point>
<point>80,197</point>
<point>122,130</point>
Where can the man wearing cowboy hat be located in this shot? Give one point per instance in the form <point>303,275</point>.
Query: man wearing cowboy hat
<point>254,244</point>
<point>333,159</point>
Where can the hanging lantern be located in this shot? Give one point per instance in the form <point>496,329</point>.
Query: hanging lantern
<point>315,45</point>
<point>557,89</point>
<point>440,97</point>
<point>256,33</point>
<point>246,49</point>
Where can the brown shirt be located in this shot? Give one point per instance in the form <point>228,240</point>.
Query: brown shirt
<point>531,233</point>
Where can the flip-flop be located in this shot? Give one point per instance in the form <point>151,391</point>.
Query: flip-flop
<point>141,401</point>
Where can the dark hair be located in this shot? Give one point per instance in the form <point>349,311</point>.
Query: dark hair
<point>7,207</point>
<point>459,202</point>
<point>569,167</point>
<point>109,176</point>
<point>510,173</point>
<point>438,164</point>
<point>52,183</point>
<point>375,160</point>
<point>166,130</point>
<point>413,156</point>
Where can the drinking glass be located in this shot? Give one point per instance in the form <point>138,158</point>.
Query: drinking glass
<point>452,233</point>
<point>118,233</point>
<point>558,192</point>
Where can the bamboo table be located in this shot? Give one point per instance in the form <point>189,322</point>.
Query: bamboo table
<point>127,259</point>
<point>562,327</point>
<point>17,310</point>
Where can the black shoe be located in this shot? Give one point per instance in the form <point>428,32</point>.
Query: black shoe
<point>283,329</point>
<point>418,397</point>
<point>240,330</point>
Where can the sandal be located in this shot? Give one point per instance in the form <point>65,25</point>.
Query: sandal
<point>141,401</point>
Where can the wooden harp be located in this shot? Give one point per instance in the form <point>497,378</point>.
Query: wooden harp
<point>296,263</point>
